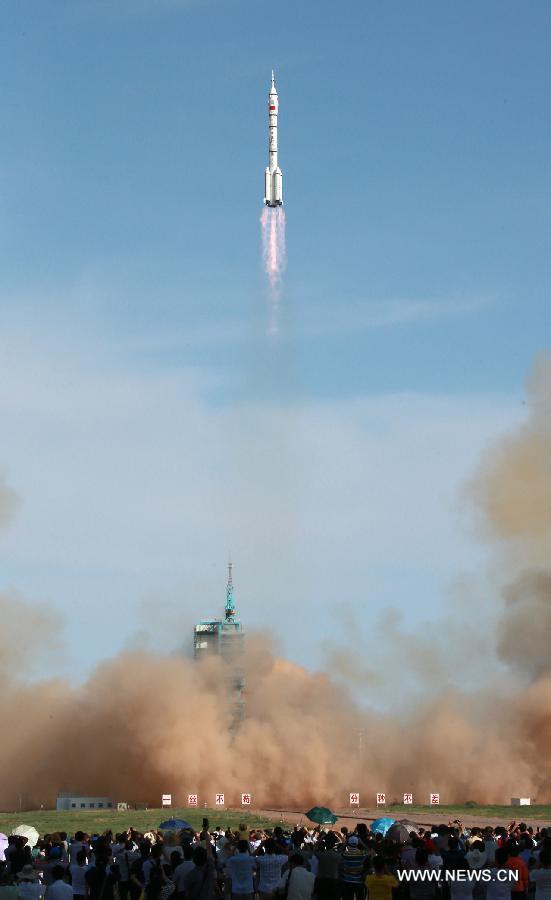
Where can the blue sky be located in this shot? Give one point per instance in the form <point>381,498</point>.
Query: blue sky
<point>149,423</point>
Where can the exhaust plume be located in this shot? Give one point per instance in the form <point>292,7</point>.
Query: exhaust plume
<point>274,254</point>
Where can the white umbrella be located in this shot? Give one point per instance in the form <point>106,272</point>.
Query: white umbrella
<point>28,831</point>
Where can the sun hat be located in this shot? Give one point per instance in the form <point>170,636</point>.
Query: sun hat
<point>28,873</point>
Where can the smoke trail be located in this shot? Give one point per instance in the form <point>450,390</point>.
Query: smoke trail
<point>274,254</point>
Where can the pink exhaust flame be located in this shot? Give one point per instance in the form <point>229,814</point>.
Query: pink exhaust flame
<point>273,243</point>
<point>274,254</point>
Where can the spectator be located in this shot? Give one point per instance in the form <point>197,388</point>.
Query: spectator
<point>58,889</point>
<point>8,890</point>
<point>541,876</point>
<point>137,877</point>
<point>154,863</point>
<point>424,889</point>
<point>476,857</point>
<point>499,888</point>
<point>269,868</point>
<point>329,861</point>
<point>381,884</point>
<point>240,869</point>
<point>76,845</point>
<point>125,859</point>
<point>461,887</point>
<point>353,869</point>
<point>200,883</point>
<point>101,878</point>
<point>180,872</point>
<point>20,855</point>
<point>517,865</point>
<point>297,883</point>
<point>77,874</point>
<point>454,857</point>
<point>28,884</point>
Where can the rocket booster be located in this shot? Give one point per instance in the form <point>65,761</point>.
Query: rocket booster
<point>273,178</point>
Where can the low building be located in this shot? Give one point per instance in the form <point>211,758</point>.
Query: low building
<point>67,800</point>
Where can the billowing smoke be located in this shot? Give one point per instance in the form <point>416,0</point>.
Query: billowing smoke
<point>274,254</point>
<point>513,488</point>
<point>514,492</point>
<point>145,724</point>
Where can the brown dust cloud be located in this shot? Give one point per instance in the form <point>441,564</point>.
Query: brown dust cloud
<point>144,724</point>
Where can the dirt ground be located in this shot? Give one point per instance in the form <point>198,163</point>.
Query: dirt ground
<point>349,817</point>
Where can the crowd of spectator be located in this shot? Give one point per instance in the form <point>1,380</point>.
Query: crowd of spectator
<point>275,864</point>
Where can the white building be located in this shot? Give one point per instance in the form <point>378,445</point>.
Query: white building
<point>67,800</point>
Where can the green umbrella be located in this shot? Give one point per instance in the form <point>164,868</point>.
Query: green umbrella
<point>321,815</point>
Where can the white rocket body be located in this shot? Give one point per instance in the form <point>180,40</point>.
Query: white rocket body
<point>273,178</point>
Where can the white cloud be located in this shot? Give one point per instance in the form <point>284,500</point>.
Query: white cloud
<point>310,321</point>
<point>365,315</point>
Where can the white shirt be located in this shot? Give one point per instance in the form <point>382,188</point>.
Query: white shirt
<point>269,871</point>
<point>59,890</point>
<point>542,880</point>
<point>301,883</point>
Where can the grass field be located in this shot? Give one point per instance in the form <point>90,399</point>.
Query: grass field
<point>94,821</point>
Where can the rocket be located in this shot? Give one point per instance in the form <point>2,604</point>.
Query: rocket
<point>273,178</point>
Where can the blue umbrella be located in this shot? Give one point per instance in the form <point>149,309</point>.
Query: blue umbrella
<point>382,825</point>
<point>174,825</point>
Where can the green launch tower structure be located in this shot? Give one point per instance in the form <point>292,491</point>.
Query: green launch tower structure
<point>225,638</point>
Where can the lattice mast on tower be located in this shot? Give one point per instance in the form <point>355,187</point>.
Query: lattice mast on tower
<point>225,638</point>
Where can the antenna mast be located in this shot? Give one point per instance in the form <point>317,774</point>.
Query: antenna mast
<point>230,603</point>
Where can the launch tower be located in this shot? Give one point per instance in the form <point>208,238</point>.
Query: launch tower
<point>225,638</point>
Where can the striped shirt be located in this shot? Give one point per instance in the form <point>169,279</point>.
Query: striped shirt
<point>353,863</point>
